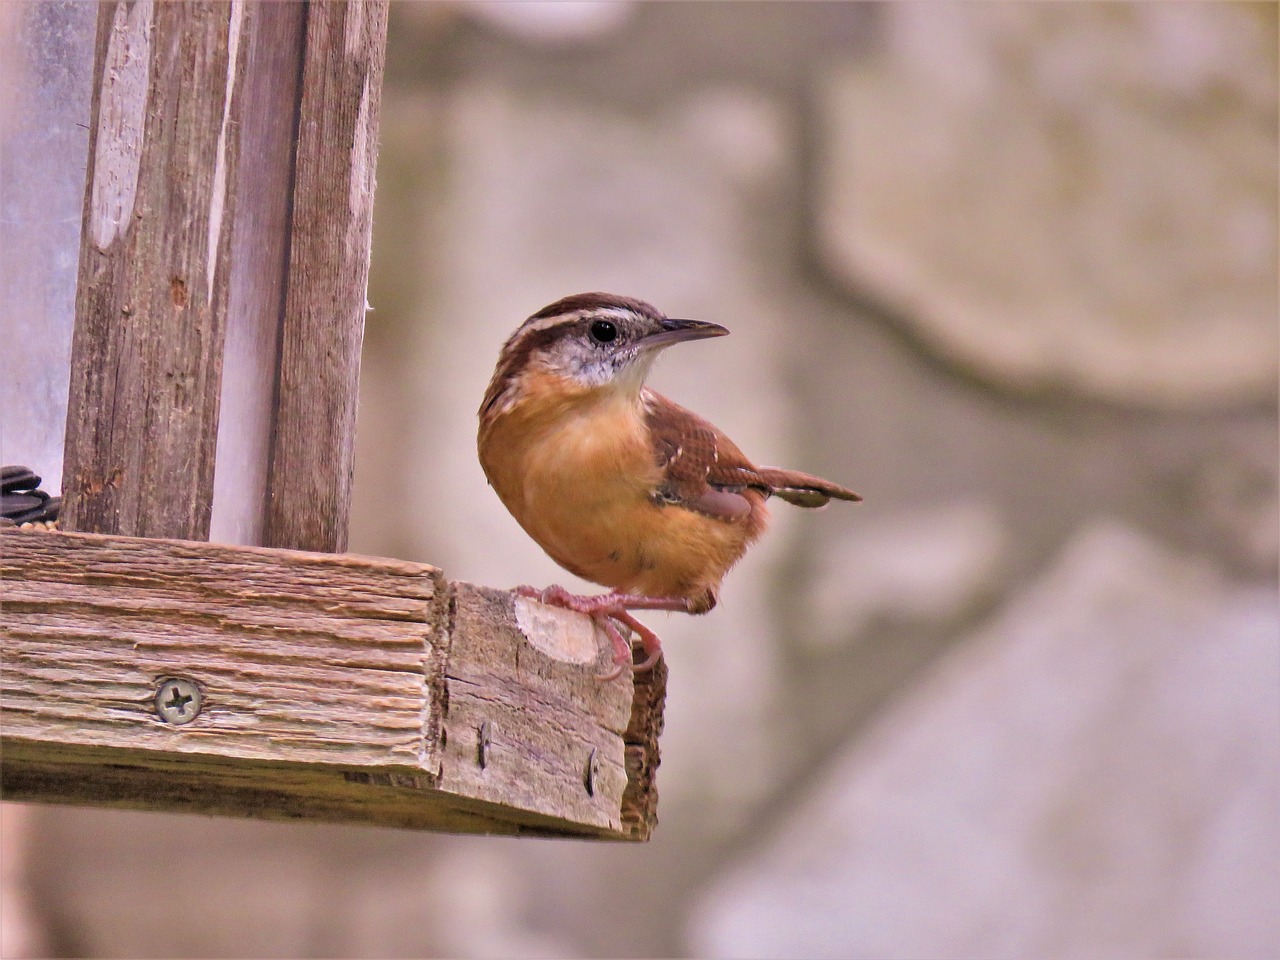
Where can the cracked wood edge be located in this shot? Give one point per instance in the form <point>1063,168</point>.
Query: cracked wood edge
<point>336,687</point>
<point>640,798</point>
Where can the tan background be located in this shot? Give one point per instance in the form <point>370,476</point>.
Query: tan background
<point>1008,270</point>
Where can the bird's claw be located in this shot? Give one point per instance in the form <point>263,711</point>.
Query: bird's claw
<point>611,612</point>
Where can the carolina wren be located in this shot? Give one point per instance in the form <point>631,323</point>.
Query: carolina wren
<point>619,485</point>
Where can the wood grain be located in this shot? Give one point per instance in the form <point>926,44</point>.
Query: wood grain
<point>273,641</point>
<point>313,449</point>
<point>640,797</point>
<point>270,91</point>
<point>553,712</point>
<point>232,164</point>
<point>153,277</point>
<point>334,687</point>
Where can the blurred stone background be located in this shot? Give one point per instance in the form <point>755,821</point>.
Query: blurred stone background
<point>1010,271</point>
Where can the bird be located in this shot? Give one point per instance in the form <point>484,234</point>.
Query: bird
<point>619,485</point>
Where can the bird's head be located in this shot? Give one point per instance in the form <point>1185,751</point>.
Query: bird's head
<point>589,341</point>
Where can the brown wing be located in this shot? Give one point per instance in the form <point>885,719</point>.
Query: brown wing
<point>703,470</point>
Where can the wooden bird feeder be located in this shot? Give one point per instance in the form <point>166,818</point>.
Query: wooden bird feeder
<point>219,314</point>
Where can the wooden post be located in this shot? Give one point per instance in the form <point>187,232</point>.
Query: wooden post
<point>313,452</point>
<point>262,224</point>
<point>232,158</point>
<point>146,357</point>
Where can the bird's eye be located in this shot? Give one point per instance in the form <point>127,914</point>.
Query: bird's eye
<point>602,331</point>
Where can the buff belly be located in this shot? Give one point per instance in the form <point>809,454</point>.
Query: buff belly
<point>582,490</point>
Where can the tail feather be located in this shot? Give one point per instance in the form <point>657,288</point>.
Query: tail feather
<point>804,490</point>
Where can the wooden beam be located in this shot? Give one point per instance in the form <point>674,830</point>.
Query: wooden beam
<point>331,687</point>
<point>313,449</point>
<point>152,294</point>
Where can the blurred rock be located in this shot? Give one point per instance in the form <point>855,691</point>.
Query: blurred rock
<point>156,885</point>
<point>1239,494</point>
<point>928,566</point>
<point>1096,773</point>
<point>481,910</point>
<point>23,931</point>
<point>748,136</point>
<point>1066,195</point>
<point>553,21</point>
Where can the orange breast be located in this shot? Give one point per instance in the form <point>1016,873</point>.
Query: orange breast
<point>575,468</point>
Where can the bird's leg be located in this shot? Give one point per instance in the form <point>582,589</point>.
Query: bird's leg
<point>609,610</point>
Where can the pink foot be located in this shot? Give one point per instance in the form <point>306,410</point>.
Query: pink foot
<point>609,610</point>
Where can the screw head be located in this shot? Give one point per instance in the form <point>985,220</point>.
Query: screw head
<point>178,701</point>
<point>592,773</point>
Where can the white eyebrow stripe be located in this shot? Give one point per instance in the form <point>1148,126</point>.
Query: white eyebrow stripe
<point>620,314</point>
<point>545,323</point>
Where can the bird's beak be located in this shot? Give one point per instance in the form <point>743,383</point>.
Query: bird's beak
<point>677,331</point>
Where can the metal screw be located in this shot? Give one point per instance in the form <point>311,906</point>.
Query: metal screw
<point>178,701</point>
<point>592,773</point>
<point>484,742</point>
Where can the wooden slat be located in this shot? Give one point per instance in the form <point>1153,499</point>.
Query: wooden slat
<point>152,294</point>
<point>274,641</point>
<point>313,451</point>
<point>270,91</point>
<point>335,687</point>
